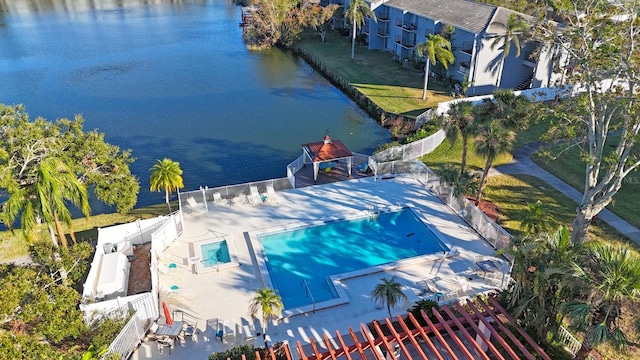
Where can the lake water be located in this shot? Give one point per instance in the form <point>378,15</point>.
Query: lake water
<point>173,80</point>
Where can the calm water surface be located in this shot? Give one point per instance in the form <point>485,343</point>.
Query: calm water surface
<point>173,80</point>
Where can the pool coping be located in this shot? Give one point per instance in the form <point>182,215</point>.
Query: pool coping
<point>337,280</point>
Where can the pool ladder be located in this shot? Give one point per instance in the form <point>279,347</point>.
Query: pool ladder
<point>374,211</point>
<point>308,293</point>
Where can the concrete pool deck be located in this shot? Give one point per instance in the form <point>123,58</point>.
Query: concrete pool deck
<point>226,294</point>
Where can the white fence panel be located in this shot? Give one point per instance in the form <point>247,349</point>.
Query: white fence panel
<point>571,344</point>
<point>130,336</point>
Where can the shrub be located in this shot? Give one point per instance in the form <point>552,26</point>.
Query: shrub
<point>427,305</point>
<point>426,130</point>
<point>386,146</point>
<point>235,353</point>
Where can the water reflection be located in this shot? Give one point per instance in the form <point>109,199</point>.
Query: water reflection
<point>173,79</point>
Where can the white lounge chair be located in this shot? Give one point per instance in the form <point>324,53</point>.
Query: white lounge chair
<point>255,198</point>
<point>218,200</point>
<point>195,207</point>
<point>271,194</point>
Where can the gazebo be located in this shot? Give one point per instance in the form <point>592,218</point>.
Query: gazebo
<point>325,154</point>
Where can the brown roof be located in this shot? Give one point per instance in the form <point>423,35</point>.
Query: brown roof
<point>327,150</point>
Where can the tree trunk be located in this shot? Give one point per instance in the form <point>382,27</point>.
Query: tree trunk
<point>427,65</point>
<point>483,181</point>
<point>72,234</point>
<point>581,225</point>
<point>323,35</point>
<point>52,234</point>
<point>60,231</point>
<point>167,200</point>
<point>587,345</point>
<point>389,309</point>
<point>353,40</point>
<point>264,333</point>
<point>463,163</point>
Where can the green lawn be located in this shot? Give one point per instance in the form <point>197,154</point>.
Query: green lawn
<point>391,86</point>
<point>13,244</point>
<point>571,169</point>
<point>446,154</point>
<point>511,193</point>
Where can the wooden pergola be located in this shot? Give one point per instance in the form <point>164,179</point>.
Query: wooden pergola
<point>479,329</point>
<point>326,151</point>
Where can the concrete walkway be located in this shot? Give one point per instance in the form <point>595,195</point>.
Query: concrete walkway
<point>522,164</point>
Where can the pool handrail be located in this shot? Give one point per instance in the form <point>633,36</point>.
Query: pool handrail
<point>313,301</point>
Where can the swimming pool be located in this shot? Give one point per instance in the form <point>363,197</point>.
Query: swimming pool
<point>303,260</point>
<point>215,253</point>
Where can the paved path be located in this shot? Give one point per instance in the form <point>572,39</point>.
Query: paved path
<point>22,260</point>
<point>522,164</point>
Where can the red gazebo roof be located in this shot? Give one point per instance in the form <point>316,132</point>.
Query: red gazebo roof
<point>327,150</point>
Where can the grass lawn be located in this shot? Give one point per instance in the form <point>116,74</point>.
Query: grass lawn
<point>571,170</point>
<point>390,85</point>
<point>511,193</point>
<point>13,244</point>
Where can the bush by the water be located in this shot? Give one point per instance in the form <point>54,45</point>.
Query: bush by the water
<point>426,130</point>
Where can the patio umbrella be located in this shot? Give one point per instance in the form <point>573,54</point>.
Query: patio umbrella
<point>167,313</point>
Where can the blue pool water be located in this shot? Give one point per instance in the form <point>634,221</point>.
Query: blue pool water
<point>215,253</point>
<point>316,252</point>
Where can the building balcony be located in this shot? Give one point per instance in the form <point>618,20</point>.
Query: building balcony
<point>406,25</point>
<point>405,43</point>
<point>467,47</point>
<point>529,59</point>
<point>428,31</point>
<point>384,17</point>
<point>383,33</point>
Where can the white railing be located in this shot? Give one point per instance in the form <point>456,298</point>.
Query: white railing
<point>130,336</point>
<point>412,150</point>
<point>571,344</point>
<point>293,168</point>
<point>235,193</point>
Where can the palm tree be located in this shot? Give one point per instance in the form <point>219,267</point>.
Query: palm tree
<point>608,276</point>
<point>55,184</point>
<point>270,305</point>
<point>515,27</point>
<point>437,49</point>
<point>536,219</point>
<point>540,264</point>
<point>389,292</point>
<point>460,121</point>
<point>166,175</point>
<point>461,184</point>
<point>356,13</point>
<point>494,139</point>
<point>513,111</point>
